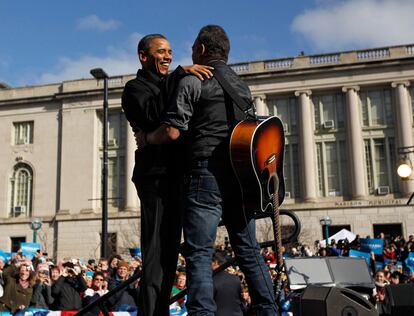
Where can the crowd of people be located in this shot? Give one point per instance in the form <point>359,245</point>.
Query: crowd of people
<point>72,284</point>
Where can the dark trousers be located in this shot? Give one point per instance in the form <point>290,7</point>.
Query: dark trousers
<point>161,223</point>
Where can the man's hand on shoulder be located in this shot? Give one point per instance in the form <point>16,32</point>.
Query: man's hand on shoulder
<point>200,71</point>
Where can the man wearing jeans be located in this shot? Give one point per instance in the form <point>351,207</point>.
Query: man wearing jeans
<point>206,114</point>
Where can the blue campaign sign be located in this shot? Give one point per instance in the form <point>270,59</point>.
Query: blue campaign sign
<point>135,252</point>
<point>410,259</point>
<point>379,265</point>
<point>5,255</point>
<point>29,249</point>
<point>174,311</point>
<point>376,245</point>
<point>356,253</point>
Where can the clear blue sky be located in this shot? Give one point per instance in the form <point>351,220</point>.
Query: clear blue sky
<point>49,41</point>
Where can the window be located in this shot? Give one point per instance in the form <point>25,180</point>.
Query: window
<point>291,171</point>
<point>16,243</point>
<point>286,110</point>
<point>116,157</point>
<point>380,158</point>
<point>332,175</point>
<point>112,243</point>
<point>329,111</point>
<point>412,102</point>
<point>21,185</point>
<point>23,133</point>
<point>389,230</point>
<point>376,107</point>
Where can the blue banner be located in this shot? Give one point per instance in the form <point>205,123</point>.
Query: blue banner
<point>135,252</point>
<point>379,265</point>
<point>362,254</point>
<point>376,245</point>
<point>410,260</point>
<point>5,256</point>
<point>29,249</point>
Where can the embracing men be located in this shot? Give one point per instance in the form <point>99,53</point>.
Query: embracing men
<point>202,111</point>
<point>156,173</point>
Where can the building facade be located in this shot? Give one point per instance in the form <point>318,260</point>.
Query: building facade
<point>346,117</point>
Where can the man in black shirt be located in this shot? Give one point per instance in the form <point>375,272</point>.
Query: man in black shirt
<point>227,289</point>
<point>156,175</point>
<point>203,111</point>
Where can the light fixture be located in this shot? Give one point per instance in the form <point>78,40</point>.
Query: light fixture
<point>326,222</point>
<point>35,225</point>
<point>405,168</point>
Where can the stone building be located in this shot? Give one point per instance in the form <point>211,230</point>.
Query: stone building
<point>346,115</point>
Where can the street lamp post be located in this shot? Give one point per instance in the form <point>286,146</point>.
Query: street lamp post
<point>326,222</point>
<point>35,225</point>
<point>100,74</point>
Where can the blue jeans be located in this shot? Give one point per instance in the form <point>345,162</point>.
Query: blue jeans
<point>212,193</point>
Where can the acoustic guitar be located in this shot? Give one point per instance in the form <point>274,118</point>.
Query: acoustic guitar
<point>256,152</point>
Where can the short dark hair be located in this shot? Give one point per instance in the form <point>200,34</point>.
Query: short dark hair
<point>219,258</point>
<point>98,273</point>
<point>215,41</point>
<point>145,42</point>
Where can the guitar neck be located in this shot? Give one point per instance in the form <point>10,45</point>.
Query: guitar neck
<point>277,233</point>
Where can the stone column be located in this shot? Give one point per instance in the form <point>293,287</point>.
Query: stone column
<point>356,156</point>
<point>260,104</point>
<point>307,157</point>
<point>131,196</point>
<point>404,128</point>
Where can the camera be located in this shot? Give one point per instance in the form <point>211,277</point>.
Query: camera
<point>68,265</point>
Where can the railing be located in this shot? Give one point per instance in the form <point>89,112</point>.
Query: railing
<point>373,53</point>
<point>279,64</point>
<point>240,68</point>
<point>340,58</point>
<point>325,59</point>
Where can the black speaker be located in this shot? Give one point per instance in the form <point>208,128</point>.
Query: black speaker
<point>399,300</point>
<point>334,301</point>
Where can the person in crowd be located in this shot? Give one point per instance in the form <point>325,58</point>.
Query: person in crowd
<point>268,255</point>
<point>18,280</point>
<point>68,288</point>
<point>323,252</point>
<point>227,289</point>
<point>103,266</point>
<point>395,277</point>
<point>42,290</point>
<point>246,301</point>
<point>212,190</point>
<point>379,291</point>
<point>54,273</point>
<point>113,264</point>
<point>99,287</point>
<point>156,174</point>
<point>125,299</point>
<point>389,252</point>
<point>179,285</point>
<point>88,276</point>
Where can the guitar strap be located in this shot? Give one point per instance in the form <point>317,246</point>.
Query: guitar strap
<point>241,103</point>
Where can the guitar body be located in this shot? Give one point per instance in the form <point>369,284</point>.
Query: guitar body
<point>256,152</point>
